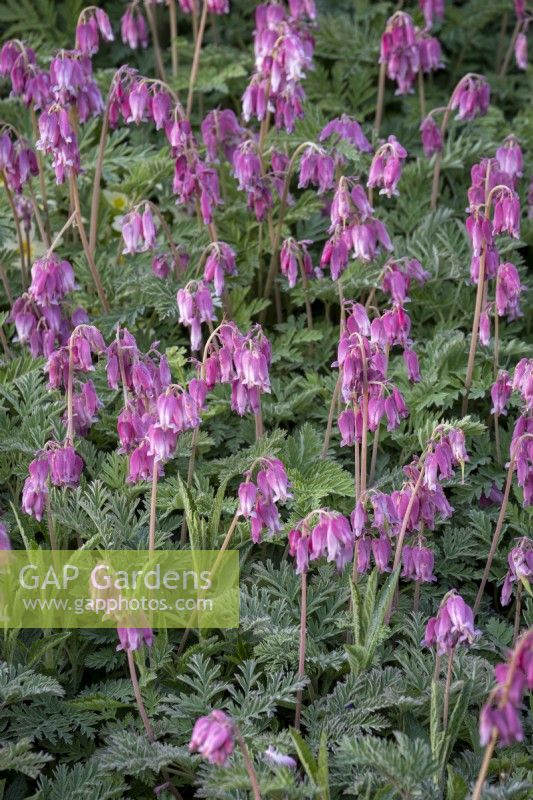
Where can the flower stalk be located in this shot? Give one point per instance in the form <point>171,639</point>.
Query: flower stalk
<point>146,720</point>
<point>85,244</point>
<point>196,57</point>
<point>301,649</point>
<point>248,763</point>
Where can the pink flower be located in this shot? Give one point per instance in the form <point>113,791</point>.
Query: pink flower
<point>520,560</point>
<point>349,129</point>
<point>520,51</point>
<point>318,168</point>
<point>471,97</point>
<point>501,712</point>
<point>508,291</point>
<point>432,10</point>
<point>418,564</point>
<point>221,261</point>
<point>509,157</point>
<point>453,625</point>
<point>133,28</point>
<point>133,638</point>
<point>501,392</point>
<point>65,466</point>
<point>386,167</point>
<point>213,738</point>
<point>399,51</point>
<point>431,136</point>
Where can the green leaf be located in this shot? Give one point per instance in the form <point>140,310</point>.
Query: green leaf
<point>306,757</point>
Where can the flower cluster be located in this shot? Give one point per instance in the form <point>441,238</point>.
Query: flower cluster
<point>494,185</point>
<point>347,129</point>
<point>257,499</point>
<point>220,261</point>
<point>93,23</point>
<point>138,230</point>
<point>453,625</point>
<point>57,138</point>
<point>520,560</point>
<point>58,463</point>
<point>362,360</point>
<point>376,511</point>
<point>397,276</point>
<point>295,255</point>
<point>195,306</point>
<point>521,443</point>
<point>41,316</point>
<point>248,171</point>
<point>155,411</point>
<point>405,51</point>
<point>445,450</point>
<point>501,712</point>
<point>471,97</point>
<point>386,167</point>
<point>353,228</point>
<point>76,356</point>
<point>384,513</point>
<point>194,181</point>
<point>213,737</point>
<point>283,50</point>
<point>322,533</point>
<point>72,84</point>
<point>418,562</point>
<point>400,52</point>
<point>221,132</point>
<point>133,28</point>
<point>28,81</point>
<point>241,360</point>
<point>18,162</point>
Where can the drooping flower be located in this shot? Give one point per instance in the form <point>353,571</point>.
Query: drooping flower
<point>221,261</point>
<point>133,28</point>
<point>509,157</point>
<point>331,535</point>
<point>386,167</point>
<point>471,97</point>
<point>433,10</point>
<point>349,130</point>
<point>92,24</point>
<point>195,306</point>
<point>418,563</point>
<point>295,258</point>
<point>453,625</point>
<point>213,737</point>
<point>520,51</point>
<point>520,560</point>
<point>65,466</point>
<point>258,500</point>
<point>399,51</point>
<point>35,490</point>
<point>501,392</point>
<point>133,638</point>
<point>501,713</point>
<point>431,136</point>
